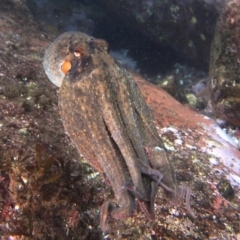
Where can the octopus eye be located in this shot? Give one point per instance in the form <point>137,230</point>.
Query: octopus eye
<point>66,66</point>
<point>77,54</point>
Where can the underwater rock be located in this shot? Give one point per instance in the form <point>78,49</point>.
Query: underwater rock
<point>210,155</point>
<point>195,131</point>
<point>225,65</point>
<point>61,16</point>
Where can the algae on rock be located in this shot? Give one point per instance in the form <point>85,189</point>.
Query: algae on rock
<point>225,65</point>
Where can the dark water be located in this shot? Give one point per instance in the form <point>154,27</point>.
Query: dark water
<point>150,57</point>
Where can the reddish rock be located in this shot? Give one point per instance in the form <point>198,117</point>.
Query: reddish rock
<point>200,132</point>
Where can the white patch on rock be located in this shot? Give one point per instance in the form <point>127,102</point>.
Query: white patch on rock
<point>178,141</point>
<point>213,161</point>
<point>224,151</point>
<point>159,148</point>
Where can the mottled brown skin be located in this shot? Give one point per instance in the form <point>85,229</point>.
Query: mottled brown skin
<point>109,122</point>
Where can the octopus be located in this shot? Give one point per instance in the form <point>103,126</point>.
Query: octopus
<point>107,119</point>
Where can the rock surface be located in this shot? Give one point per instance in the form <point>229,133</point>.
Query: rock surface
<point>59,197</point>
<point>225,65</point>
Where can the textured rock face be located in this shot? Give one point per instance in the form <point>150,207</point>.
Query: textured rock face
<point>225,65</point>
